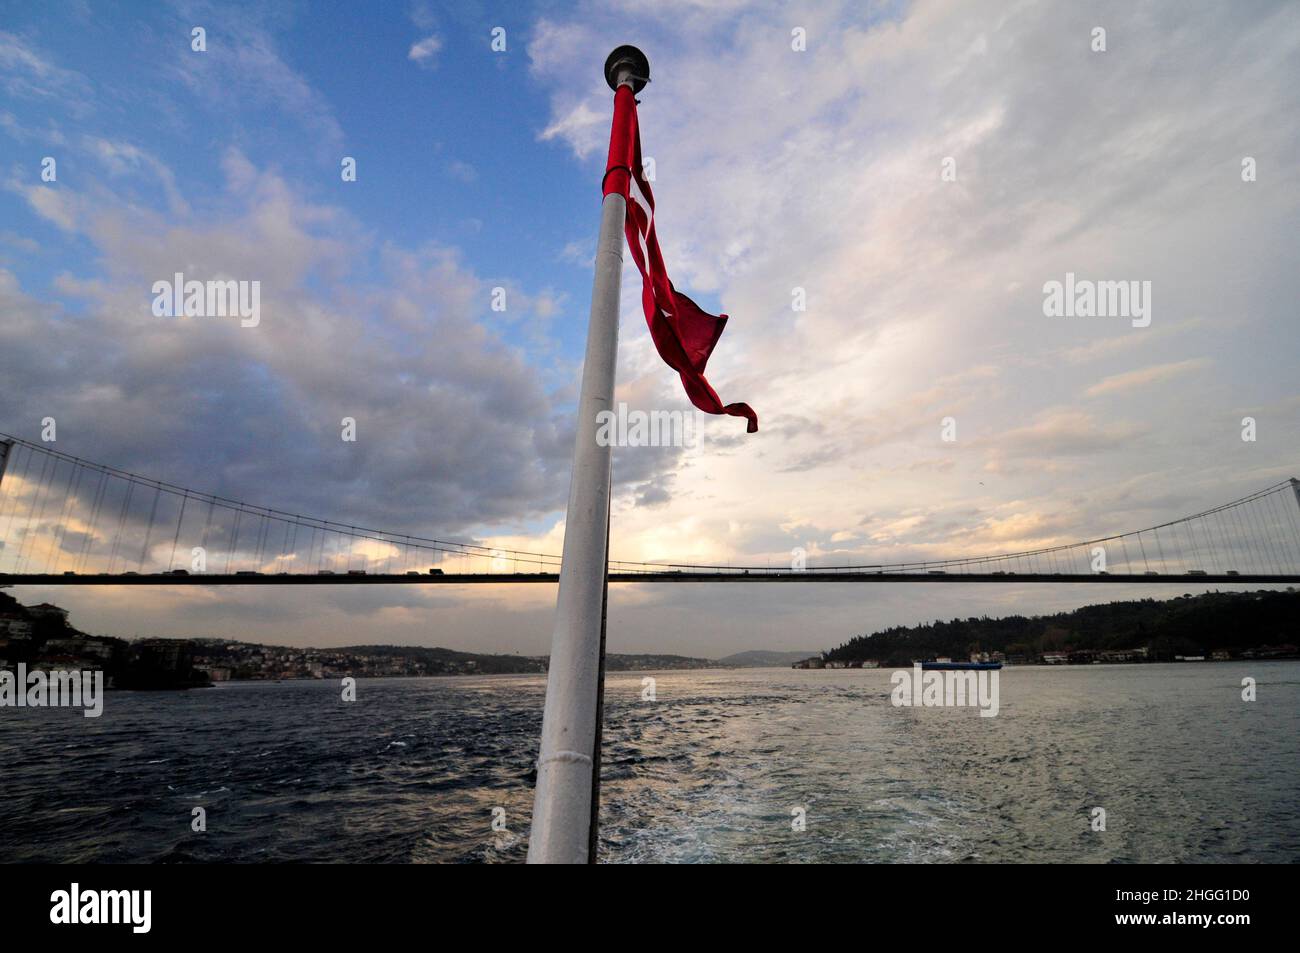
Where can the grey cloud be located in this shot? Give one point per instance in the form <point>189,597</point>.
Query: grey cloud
<point>455,429</point>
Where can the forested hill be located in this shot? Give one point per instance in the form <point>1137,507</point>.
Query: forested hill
<point>1187,625</point>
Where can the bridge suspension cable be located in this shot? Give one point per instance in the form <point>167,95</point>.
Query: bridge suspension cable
<point>60,514</point>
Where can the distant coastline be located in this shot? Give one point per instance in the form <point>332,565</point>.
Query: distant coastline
<point>1213,626</point>
<point>41,637</point>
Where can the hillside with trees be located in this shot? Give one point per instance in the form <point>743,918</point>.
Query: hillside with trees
<point>1232,622</point>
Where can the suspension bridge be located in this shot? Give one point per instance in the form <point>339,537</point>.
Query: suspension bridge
<point>68,521</point>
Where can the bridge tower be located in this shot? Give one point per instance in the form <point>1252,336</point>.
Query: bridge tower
<point>7,446</point>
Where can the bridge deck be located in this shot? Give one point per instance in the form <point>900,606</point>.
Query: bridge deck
<point>496,579</point>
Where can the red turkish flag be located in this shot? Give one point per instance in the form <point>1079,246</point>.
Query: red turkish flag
<point>684,334</point>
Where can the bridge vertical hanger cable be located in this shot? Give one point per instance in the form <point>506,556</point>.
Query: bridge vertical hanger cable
<point>1211,550</point>
<point>230,550</point>
<point>291,549</point>
<point>40,520</point>
<point>255,544</point>
<point>121,522</point>
<point>88,543</point>
<point>283,555</point>
<point>258,530</point>
<point>1295,528</point>
<point>1229,551</point>
<point>1286,536</point>
<point>21,525</point>
<point>29,524</point>
<point>1266,551</point>
<point>263,539</point>
<point>1241,542</point>
<point>257,541</point>
<point>272,526</point>
<point>1291,516</point>
<point>1266,535</point>
<point>1216,521</point>
<point>171,560</point>
<point>1267,515</point>
<point>148,535</point>
<point>1164,563</point>
<point>1275,520</point>
<point>1251,535</point>
<point>1275,531</point>
<point>1266,523</point>
<point>1257,535</point>
<point>1191,544</point>
<point>31,511</point>
<point>1215,528</point>
<point>1285,542</point>
<point>69,501</point>
<point>207,526</point>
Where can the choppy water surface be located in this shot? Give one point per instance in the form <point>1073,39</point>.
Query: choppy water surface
<point>711,771</point>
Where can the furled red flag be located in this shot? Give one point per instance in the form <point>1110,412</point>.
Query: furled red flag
<point>683,333</point>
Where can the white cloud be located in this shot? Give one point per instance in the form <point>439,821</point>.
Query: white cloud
<point>451,414</point>
<point>1145,376</point>
<point>424,51</point>
<point>123,158</point>
<point>28,73</point>
<point>821,170</point>
<point>54,205</point>
<point>247,68</point>
<point>583,127</point>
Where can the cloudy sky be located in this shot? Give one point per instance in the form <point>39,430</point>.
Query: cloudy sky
<point>916,171</point>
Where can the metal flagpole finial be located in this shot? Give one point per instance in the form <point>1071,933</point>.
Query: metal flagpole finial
<point>631,60</point>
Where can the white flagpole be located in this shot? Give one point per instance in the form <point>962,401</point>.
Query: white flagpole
<point>563,826</point>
